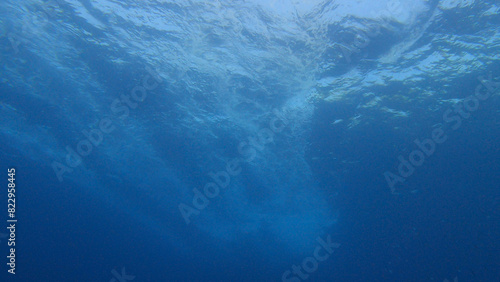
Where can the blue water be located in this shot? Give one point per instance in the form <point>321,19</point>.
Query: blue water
<point>251,140</point>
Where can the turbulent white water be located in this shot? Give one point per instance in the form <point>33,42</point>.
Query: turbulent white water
<point>226,67</point>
